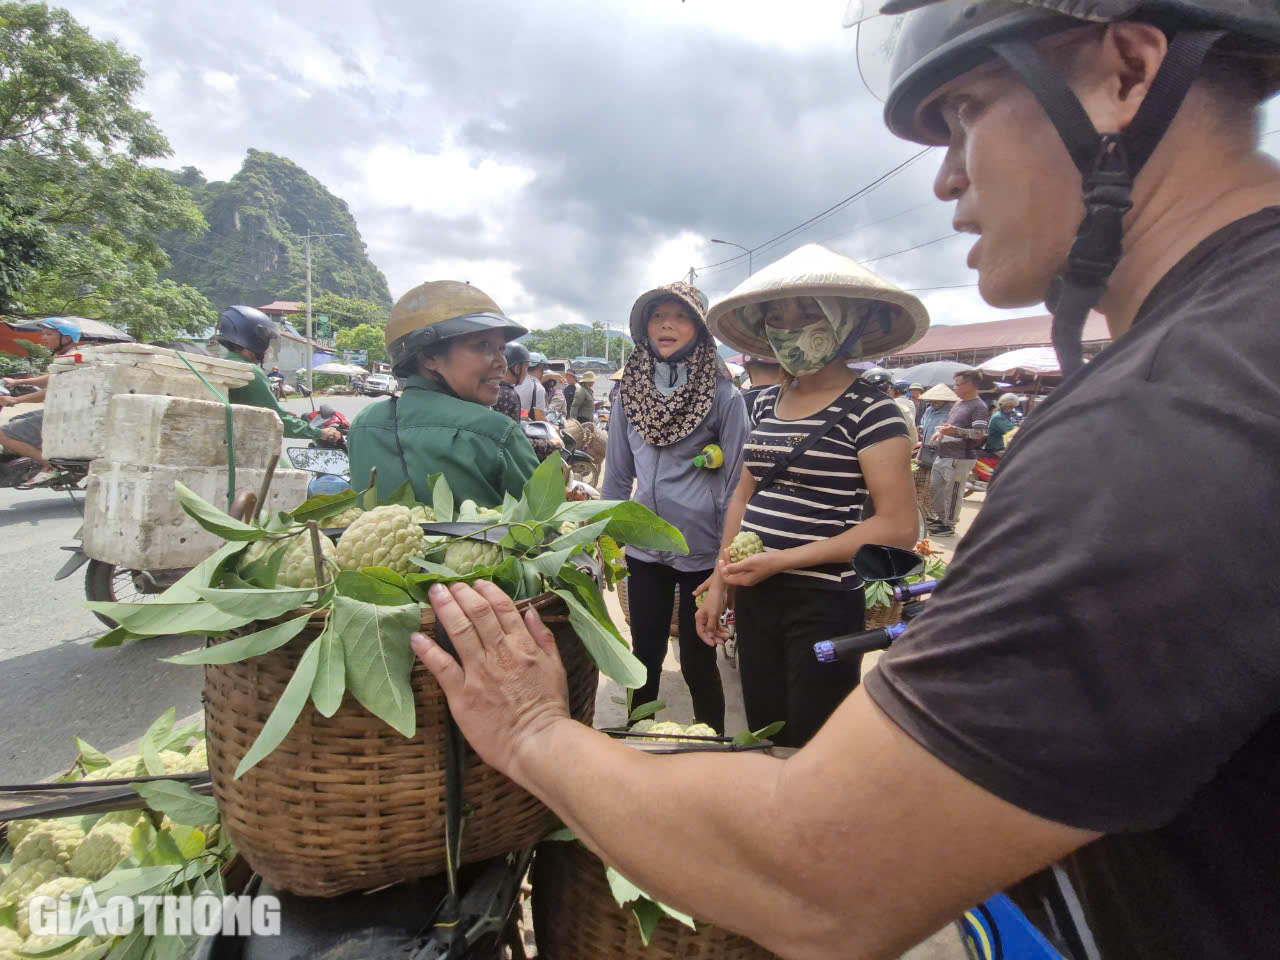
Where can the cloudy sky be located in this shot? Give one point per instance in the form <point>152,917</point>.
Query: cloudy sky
<point>563,155</point>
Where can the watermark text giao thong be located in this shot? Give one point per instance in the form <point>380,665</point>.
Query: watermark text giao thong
<point>203,914</point>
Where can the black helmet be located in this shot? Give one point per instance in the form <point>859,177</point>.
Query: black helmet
<point>436,311</point>
<point>247,328</point>
<point>878,378</point>
<point>326,411</point>
<point>937,42</point>
<point>516,353</point>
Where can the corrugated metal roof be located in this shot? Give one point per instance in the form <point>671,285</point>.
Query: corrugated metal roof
<point>284,306</point>
<point>1000,335</point>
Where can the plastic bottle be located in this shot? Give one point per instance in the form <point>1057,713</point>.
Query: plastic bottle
<point>711,458</point>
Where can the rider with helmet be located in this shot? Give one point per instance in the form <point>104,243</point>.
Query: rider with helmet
<point>1095,682</point>
<point>446,342</point>
<point>899,390</point>
<point>246,333</point>
<point>517,357</point>
<point>24,434</point>
<point>533,395</point>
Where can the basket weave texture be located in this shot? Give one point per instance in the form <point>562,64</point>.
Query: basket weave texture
<point>576,918</point>
<point>923,499</point>
<point>626,608</point>
<point>882,616</point>
<point>345,803</point>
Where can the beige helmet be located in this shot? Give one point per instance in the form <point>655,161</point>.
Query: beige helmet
<point>436,311</point>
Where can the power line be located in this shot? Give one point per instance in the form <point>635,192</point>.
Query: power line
<point>909,249</point>
<point>952,286</point>
<point>241,269</point>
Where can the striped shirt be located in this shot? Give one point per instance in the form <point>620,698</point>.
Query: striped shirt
<point>822,493</point>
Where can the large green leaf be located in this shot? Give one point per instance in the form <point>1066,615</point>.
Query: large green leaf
<point>286,712</point>
<point>614,660</point>
<point>583,510</point>
<point>158,619</point>
<point>636,525</point>
<point>379,658</point>
<point>359,585</point>
<point>331,676</point>
<point>749,738</point>
<point>214,520</point>
<point>442,501</point>
<point>117,637</point>
<point>181,803</point>
<point>260,604</point>
<point>89,757</point>
<point>264,571</point>
<point>179,737</point>
<point>544,491</point>
<point>578,537</point>
<point>647,914</point>
<point>509,503</point>
<point>153,742</point>
<point>203,573</point>
<point>242,648</point>
<point>590,596</point>
<point>402,496</point>
<point>324,506</point>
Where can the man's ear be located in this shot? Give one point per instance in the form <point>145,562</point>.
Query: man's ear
<point>1122,70</point>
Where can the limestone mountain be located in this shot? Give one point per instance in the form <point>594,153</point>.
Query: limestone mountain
<point>253,251</point>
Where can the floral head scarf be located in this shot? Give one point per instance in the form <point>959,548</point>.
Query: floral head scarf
<point>810,348</point>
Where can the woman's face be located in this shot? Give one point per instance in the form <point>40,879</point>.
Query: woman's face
<point>792,313</point>
<point>937,404</point>
<point>671,328</point>
<point>472,366</point>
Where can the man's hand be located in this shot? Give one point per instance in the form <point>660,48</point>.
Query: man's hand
<point>756,568</point>
<point>947,430</point>
<point>710,629</point>
<point>331,434</point>
<point>8,401</point>
<point>508,684</point>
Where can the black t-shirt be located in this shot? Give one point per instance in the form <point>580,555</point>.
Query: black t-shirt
<point>1105,649</point>
<point>508,401</point>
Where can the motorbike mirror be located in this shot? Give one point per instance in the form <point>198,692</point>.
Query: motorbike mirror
<point>879,564</point>
<point>319,460</point>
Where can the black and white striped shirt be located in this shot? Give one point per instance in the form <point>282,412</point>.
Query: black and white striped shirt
<point>821,494</point>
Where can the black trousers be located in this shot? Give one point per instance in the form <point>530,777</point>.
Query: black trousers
<point>651,594</point>
<point>778,624</point>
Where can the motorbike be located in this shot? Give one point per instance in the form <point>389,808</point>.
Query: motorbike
<point>547,438</point>
<point>337,421</point>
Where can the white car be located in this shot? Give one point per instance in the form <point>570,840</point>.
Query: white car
<point>380,384</point>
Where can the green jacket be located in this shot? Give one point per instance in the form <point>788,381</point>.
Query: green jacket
<point>258,394</point>
<point>482,453</point>
<point>583,408</point>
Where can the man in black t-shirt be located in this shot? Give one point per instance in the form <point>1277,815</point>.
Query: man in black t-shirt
<point>1097,681</point>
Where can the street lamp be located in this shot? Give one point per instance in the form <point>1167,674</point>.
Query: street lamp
<point>310,349</point>
<point>729,243</point>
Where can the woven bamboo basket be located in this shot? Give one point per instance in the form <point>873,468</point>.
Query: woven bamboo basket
<point>576,918</point>
<point>345,803</point>
<point>921,478</point>
<point>881,616</point>
<point>626,608</point>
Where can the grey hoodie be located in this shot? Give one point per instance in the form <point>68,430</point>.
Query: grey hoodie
<point>689,498</point>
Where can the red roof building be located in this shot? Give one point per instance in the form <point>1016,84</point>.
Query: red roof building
<point>975,343</point>
<point>283,308</point>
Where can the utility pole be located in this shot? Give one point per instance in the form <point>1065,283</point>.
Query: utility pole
<point>749,253</point>
<point>310,348</point>
<point>693,275</point>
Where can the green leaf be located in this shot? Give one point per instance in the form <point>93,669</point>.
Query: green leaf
<point>157,619</point>
<point>386,575</point>
<point>531,584</point>
<point>178,738</point>
<point>402,496</point>
<point>636,525</point>
<point>615,560</point>
<point>242,648</point>
<point>442,501</point>
<point>674,914</point>
<point>324,506</point>
<point>181,803</point>
<point>583,510</point>
<point>190,841</point>
<point>260,604</point>
<point>509,504</point>
<point>9,916</point>
<point>164,850</point>
<point>61,947</point>
<point>646,710</point>
<point>369,499</point>
<point>132,946</point>
<point>579,537</point>
<point>153,741</point>
<point>89,757</point>
<point>548,564</point>
<point>590,596</point>
<point>435,569</point>
<point>614,660</point>
<point>361,585</point>
<point>117,637</point>
<point>647,914</point>
<point>518,537</point>
<point>286,711</point>
<point>264,571</point>
<point>556,836</point>
<point>213,519</point>
<point>379,658</point>
<point>331,675</point>
<point>748,738</point>
<point>544,491</point>
<point>508,575</point>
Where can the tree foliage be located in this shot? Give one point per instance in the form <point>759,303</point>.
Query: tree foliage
<point>350,312</point>
<point>365,337</point>
<point>78,209</point>
<point>254,251</point>
<point>571,340</point>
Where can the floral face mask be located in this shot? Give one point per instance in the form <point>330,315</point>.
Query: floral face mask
<point>805,350</point>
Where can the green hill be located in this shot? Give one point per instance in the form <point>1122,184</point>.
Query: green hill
<point>254,253</point>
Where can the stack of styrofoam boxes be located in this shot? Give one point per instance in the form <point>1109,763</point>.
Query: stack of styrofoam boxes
<point>148,429</point>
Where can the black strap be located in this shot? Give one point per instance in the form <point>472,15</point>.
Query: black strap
<point>395,430</point>
<point>841,409</point>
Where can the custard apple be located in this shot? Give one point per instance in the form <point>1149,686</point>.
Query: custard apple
<point>119,769</point>
<point>422,514</point>
<point>50,888</point>
<point>130,818</point>
<point>26,877</point>
<point>666,730</point>
<point>699,730</point>
<point>83,947</point>
<point>468,556</point>
<point>102,850</point>
<point>382,537</point>
<point>54,840</point>
<point>469,511</point>
<point>10,943</point>
<point>567,528</point>
<point>343,519</point>
<point>298,568</point>
<point>196,760</point>
<point>642,726</point>
<point>745,545</point>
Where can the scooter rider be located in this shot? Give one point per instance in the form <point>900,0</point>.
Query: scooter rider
<point>24,434</point>
<point>246,333</point>
<point>1096,679</point>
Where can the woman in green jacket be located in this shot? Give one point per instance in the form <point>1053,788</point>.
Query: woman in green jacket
<point>445,340</point>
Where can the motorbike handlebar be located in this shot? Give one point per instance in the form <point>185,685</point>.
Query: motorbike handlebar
<point>854,645</point>
<point>903,592</point>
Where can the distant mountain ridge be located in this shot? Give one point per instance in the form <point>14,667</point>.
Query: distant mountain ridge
<point>254,251</point>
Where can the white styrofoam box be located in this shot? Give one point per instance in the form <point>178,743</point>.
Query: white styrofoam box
<point>132,516</point>
<point>221,373</point>
<point>78,404</point>
<point>180,432</point>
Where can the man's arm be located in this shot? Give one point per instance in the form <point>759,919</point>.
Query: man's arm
<point>859,845</point>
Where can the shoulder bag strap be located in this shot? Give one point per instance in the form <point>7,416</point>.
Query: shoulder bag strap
<point>395,430</point>
<point>841,409</point>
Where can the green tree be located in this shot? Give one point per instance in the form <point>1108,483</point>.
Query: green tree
<point>365,337</point>
<point>74,186</point>
<point>571,340</point>
<point>350,312</point>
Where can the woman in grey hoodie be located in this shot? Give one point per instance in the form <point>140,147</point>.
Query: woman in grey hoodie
<point>677,397</point>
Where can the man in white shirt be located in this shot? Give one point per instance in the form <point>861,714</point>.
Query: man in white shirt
<point>901,393</point>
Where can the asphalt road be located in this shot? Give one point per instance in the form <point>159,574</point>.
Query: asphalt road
<point>53,684</point>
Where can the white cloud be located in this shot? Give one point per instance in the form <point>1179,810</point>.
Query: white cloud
<point>220,81</point>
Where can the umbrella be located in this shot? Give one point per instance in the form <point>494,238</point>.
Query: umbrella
<point>933,373</point>
<point>90,330</point>
<point>1041,361</point>
<point>341,369</point>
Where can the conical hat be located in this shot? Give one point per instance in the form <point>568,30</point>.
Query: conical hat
<point>940,392</point>
<point>816,271</point>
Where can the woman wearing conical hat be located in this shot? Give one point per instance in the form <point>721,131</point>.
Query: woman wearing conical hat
<point>814,311</point>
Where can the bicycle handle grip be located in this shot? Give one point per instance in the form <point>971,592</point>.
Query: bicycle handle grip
<point>856,644</point>
<point>904,592</point>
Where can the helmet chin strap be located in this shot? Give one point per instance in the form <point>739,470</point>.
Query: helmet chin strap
<point>1109,164</point>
